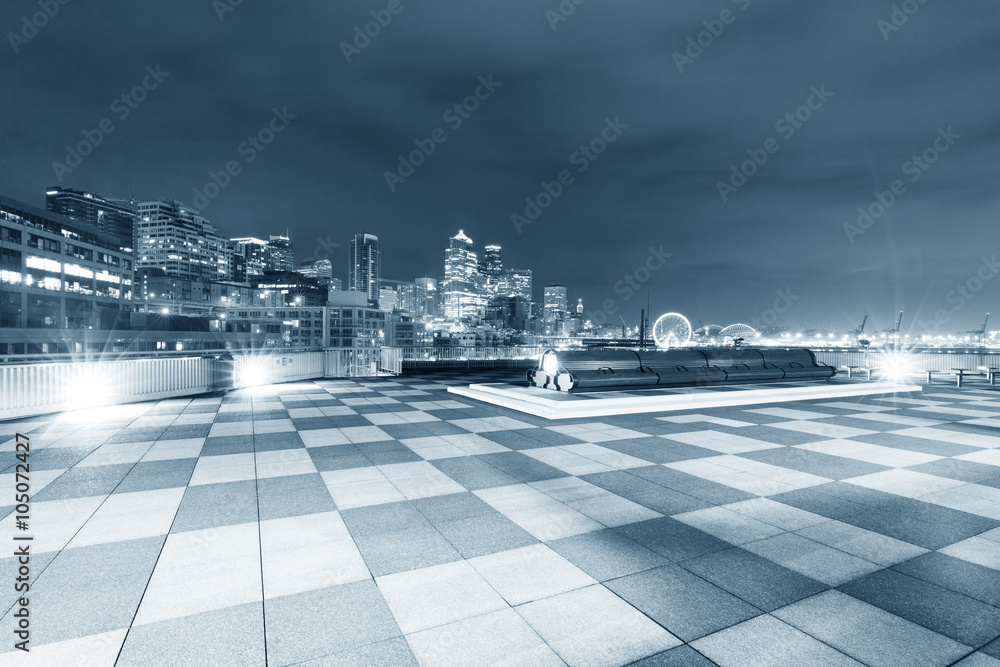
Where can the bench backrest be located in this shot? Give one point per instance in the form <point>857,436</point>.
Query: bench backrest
<point>576,360</point>
<point>724,358</point>
<point>795,358</point>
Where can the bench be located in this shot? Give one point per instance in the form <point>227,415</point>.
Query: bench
<point>798,364</point>
<point>858,369</point>
<point>962,373</point>
<point>580,370</point>
<point>744,365</point>
<point>681,367</point>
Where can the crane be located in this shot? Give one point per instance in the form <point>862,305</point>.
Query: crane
<point>859,332</point>
<point>980,333</point>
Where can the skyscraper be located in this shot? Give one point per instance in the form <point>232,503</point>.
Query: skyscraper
<point>177,241</point>
<point>111,217</point>
<point>280,254</point>
<point>515,282</point>
<point>491,267</point>
<point>556,309</point>
<point>254,254</point>
<point>364,273</point>
<point>462,298</point>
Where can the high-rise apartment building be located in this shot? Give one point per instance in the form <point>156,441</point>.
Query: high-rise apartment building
<point>172,238</point>
<point>365,267</point>
<point>110,217</point>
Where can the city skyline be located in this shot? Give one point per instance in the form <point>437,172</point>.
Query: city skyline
<point>683,118</point>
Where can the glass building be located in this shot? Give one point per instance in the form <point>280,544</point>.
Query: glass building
<point>364,272</point>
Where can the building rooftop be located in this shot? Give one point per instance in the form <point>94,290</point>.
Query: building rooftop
<point>382,522</point>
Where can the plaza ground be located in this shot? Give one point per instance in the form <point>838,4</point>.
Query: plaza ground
<point>388,522</point>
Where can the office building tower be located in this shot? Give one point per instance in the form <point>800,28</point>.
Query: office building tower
<point>555,309</point>
<point>320,269</point>
<point>365,267</point>
<point>515,282</point>
<point>110,217</point>
<point>280,254</point>
<point>254,256</point>
<point>58,274</point>
<point>462,289</point>
<point>427,297</point>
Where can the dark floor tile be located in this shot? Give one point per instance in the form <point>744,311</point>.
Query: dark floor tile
<point>293,495</point>
<point>387,452</point>
<point>267,442</point>
<point>951,614</point>
<point>151,475</point>
<point>452,507</point>
<point>52,458</point>
<point>310,625</point>
<point>912,444</point>
<point>80,482</point>
<point>975,581</point>
<point>672,539</point>
<point>702,489</point>
<point>515,440</point>
<point>215,505</point>
<point>607,554</point>
<point>185,431</point>
<point>520,467</point>
<point>441,427</point>
<point>817,502</point>
<point>965,471</point>
<point>385,518</point>
<point>658,450</point>
<point>929,526</point>
<point>230,636</point>
<point>649,494</point>
<point>483,535</point>
<point>143,434</point>
<point>473,473</point>
<point>760,582</point>
<point>686,605</point>
<point>402,431</point>
<point>682,656</point>
<point>90,590</point>
<point>408,549</point>
<point>229,444</point>
<point>814,463</point>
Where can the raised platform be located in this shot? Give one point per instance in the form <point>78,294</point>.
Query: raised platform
<point>558,405</point>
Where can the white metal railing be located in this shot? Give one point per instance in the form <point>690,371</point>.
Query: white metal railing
<point>41,388</point>
<point>924,360</point>
<point>27,389</point>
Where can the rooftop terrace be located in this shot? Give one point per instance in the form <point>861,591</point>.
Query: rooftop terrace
<point>388,522</point>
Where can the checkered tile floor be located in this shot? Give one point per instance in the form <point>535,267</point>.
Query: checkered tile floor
<point>385,523</point>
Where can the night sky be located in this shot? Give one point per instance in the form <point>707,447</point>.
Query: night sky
<point>894,93</point>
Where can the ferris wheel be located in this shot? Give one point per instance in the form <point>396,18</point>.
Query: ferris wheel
<point>671,330</point>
